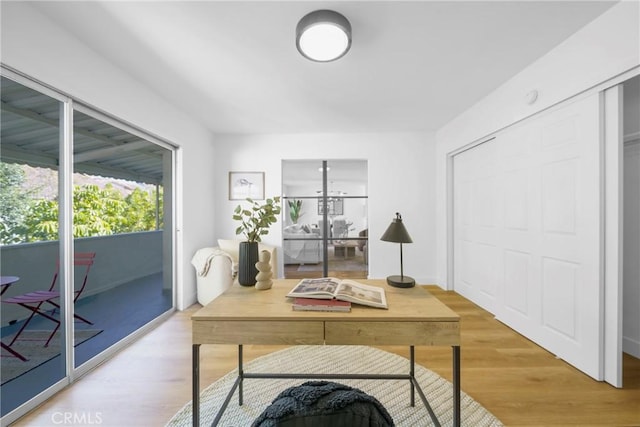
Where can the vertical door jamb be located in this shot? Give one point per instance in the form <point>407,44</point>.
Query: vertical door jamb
<point>612,130</point>
<point>450,221</point>
<point>65,213</point>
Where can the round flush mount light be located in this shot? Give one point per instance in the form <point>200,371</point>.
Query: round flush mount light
<point>323,36</point>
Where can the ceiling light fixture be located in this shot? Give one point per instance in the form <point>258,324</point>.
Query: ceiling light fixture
<point>323,36</point>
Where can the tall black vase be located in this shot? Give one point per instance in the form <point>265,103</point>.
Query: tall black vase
<point>247,259</point>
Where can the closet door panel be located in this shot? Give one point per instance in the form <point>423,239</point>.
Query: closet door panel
<point>527,247</point>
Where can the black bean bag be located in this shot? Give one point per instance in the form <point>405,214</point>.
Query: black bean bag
<point>324,403</point>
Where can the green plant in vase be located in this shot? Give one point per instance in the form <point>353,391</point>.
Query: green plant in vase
<point>255,221</point>
<point>295,208</point>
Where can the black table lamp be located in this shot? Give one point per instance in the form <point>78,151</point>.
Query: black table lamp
<point>396,233</point>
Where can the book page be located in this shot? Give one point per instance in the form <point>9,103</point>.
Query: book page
<point>362,294</point>
<point>310,288</point>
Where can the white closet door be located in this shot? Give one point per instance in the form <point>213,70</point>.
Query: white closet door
<point>477,223</point>
<point>527,230</point>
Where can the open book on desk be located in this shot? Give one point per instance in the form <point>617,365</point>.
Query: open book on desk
<point>344,290</point>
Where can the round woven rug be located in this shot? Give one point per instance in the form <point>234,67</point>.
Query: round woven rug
<point>393,394</point>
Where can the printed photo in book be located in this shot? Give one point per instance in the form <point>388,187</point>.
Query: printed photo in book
<point>340,289</point>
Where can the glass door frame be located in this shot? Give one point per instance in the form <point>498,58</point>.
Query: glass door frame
<point>66,240</point>
<point>65,244</point>
<point>325,235</point>
<point>170,216</point>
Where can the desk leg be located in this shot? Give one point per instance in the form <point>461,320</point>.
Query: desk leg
<point>456,386</point>
<point>240,375</point>
<point>195,372</point>
<point>412,373</point>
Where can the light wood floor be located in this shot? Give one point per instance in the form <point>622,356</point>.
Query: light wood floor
<point>519,382</point>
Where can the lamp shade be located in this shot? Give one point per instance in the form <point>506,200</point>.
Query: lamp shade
<point>323,36</point>
<point>396,232</point>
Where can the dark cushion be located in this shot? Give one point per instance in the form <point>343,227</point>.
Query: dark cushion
<point>324,403</point>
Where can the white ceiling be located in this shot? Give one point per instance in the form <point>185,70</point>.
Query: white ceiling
<point>413,65</point>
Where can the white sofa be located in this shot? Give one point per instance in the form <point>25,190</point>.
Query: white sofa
<point>307,251</point>
<point>216,268</point>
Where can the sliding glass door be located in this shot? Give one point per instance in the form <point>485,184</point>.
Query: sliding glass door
<point>86,229</point>
<point>119,216</point>
<point>32,354</point>
<point>325,222</point>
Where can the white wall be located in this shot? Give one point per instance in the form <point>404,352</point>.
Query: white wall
<point>32,44</point>
<point>605,48</point>
<point>401,179</point>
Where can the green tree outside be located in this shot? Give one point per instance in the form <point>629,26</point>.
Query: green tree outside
<point>14,203</point>
<point>96,211</point>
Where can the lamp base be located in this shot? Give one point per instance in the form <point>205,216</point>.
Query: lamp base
<point>401,281</point>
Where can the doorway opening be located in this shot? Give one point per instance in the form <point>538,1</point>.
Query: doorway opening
<point>86,236</point>
<point>325,231</point>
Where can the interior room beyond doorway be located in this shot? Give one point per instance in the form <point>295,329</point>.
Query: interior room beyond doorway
<point>325,231</point>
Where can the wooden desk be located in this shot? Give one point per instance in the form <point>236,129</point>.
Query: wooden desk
<point>244,315</point>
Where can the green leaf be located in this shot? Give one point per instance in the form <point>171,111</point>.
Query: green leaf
<point>256,219</point>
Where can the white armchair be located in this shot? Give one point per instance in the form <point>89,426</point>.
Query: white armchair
<point>216,268</point>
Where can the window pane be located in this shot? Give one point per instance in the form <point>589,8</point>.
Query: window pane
<point>29,159</point>
<point>118,209</point>
<point>347,191</point>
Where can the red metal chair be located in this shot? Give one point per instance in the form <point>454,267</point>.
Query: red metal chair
<point>34,301</point>
<point>7,281</point>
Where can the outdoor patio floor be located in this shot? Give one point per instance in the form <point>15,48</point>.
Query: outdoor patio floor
<point>118,312</point>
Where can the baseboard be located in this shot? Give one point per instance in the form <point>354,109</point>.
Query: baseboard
<point>426,280</point>
<point>631,346</point>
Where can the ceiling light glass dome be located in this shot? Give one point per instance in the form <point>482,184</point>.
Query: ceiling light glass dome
<point>323,36</point>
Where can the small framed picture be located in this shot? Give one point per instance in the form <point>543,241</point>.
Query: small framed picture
<point>335,207</point>
<point>246,184</point>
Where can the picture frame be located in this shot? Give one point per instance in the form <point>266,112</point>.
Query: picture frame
<point>246,184</point>
<point>335,206</point>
